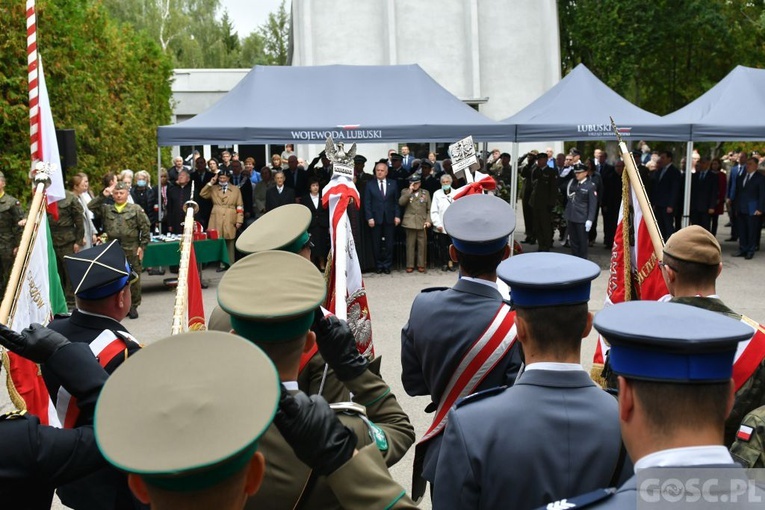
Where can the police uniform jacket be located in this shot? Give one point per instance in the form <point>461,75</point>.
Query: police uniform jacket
<point>36,458</point>
<point>582,202</point>
<point>442,325</point>
<point>227,210</point>
<point>391,433</point>
<point>130,227</point>
<point>553,434</point>
<point>107,487</point>
<point>69,228</point>
<point>416,208</point>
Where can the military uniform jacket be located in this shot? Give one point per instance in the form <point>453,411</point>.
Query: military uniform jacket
<point>10,215</point>
<point>106,488</point>
<point>545,192</point>
<point>36,458</point>
<point>286,475</point>
<point>130,227</point>
<point>442,326</point>
<point>227,210</point>
<point>553,434</point>
<point>69,228</point>
<point>582,202</point>
<point>416,208</point>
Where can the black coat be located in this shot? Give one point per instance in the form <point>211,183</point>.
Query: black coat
<point>176,197</point>
<point>36,458</point>
<point>245,186</point>
<point>704,192</point>
<point>275,199</point>
<point>297,180</point>
<point>666,191</point>
<point>147,199</point>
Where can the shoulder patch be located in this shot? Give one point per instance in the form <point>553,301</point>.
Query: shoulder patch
<point>479,395</point>
<point>434,289</point>
<point>583,501</point>
<point>744,433</point>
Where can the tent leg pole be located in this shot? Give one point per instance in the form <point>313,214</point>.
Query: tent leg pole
<point>687,190</point>
<point>485,157</point>
<point>159,185</point>
<point>513,188</point>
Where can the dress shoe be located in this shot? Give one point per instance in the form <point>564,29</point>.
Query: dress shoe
<point>748,256</point>
<point>409,269</point>
<point>731,239</point>
<point>739,254</point>
<point>386,270</point>
<point>421,269</point>
<point>221,269</point>
<point>728,224</point>
<point>379,270</point>
<point>452,268</point>
<point>133,313</point>
<point>444,268</point>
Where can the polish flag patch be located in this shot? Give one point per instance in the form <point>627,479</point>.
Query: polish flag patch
<point>744,433</point>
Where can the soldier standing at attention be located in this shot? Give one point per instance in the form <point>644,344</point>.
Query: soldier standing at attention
<point>10,231</point>
<point>544,196</point>
<point>581,209</point>
<point>416,204</point>
<point>67,232</point>
<point>128,224</point>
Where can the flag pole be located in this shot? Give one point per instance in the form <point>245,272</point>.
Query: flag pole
<point>341,267</point>
<point>637,184</point>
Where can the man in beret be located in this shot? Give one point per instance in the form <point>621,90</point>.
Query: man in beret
<point>285,326</point>
<point>101,281</point>
<point>128,224</point>
<point>691,264</point>
<point>674,364</point>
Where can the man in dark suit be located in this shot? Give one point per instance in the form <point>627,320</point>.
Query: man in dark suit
<point>406,159</point>
<point>703,194</point>
<point>280,194</point>
<point>383,214</point>
<point>749,205</point>
<point>296,177</point>
<point>735,172</point>
<point>667,187</point>
<point>611,201</point>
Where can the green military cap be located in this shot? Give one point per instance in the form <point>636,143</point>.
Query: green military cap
<point>272,295</point>
<point>121,185</point>
<point>284,228</point>
<point>186,413</point>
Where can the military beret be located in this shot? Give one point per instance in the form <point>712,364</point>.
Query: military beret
<point>121,185</point>
<point>396,156</point>
<point>186,412</point>
<point>283,228</point>
<point>548,279</point>
<point>670,342</point>
<point>426,162</point>
<point>415,177</point>
<point>100,271</point>
<point>479,224</point>
<point>694,244</point>
<point>271,295</point>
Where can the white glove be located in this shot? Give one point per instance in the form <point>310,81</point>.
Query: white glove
<point>587,225</point>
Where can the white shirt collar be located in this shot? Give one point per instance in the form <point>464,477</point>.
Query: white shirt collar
<point>280,188</point>
<point>481,281</point>
<point>688,456</point>
<point>291,385</point>
<point>556,367</point>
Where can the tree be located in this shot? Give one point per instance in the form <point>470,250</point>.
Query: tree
<point>110,84</point>
<point>275,35</point>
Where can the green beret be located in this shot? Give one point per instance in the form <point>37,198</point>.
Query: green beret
<point>271,296</point>
<point>186,412</point>
<point>284,228</point>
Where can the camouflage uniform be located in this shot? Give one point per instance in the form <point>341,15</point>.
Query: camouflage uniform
<point>131,228</point>
<point>10,234</point>
<point>65,232</point>
<point>749,447</point>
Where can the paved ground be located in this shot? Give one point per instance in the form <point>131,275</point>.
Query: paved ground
<point>390,297</point>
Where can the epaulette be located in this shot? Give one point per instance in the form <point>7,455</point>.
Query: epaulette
<point>13,415</point>
<point>376,434</point>
<point>583,501</point>
<point>434,289</point>
<point>479,395</point>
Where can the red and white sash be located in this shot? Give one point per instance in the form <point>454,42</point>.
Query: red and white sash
<point>749,354</point>
<point>477,362</point>
<point>104,347</point>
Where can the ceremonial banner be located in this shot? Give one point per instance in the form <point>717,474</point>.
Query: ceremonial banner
<point>39,298</point>
<point>195,311</point>
<point>47,143</point>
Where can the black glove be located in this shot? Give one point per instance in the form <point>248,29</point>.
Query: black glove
<point>35,343</point>
<point>337,346</point>
<point>314,432</point>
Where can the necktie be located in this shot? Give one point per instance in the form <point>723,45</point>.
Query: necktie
<point>382,188</point>
<point>746,179</point>
<point>225,188</point>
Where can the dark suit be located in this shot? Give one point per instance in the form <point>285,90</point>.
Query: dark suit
<point>383,210</point>
<point>245,187</point>
<point>275,199</point>
<point>319,227</point>
<point>297,180</point>
<point>666,190</point>
<point>750,197</point>
<point>580,420</point>
<point>436,337</point>
<point>703,198</point>
<point>406,162</point>
<point>610,203</point>
<point>176,197</point>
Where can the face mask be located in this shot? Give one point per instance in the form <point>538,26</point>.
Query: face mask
<point>446,187</point>
<point>141,183</point>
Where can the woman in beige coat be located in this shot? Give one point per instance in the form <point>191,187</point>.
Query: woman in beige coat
<point>227,211</point>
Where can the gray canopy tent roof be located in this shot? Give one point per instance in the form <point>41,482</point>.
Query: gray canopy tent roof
<point>275,104</point>
<point>733,109</point>
<point>578,108</point>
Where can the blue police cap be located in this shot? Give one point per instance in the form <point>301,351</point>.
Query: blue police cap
<point>548,279</point>
<point>479,224</point>
<point>670,342</point>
